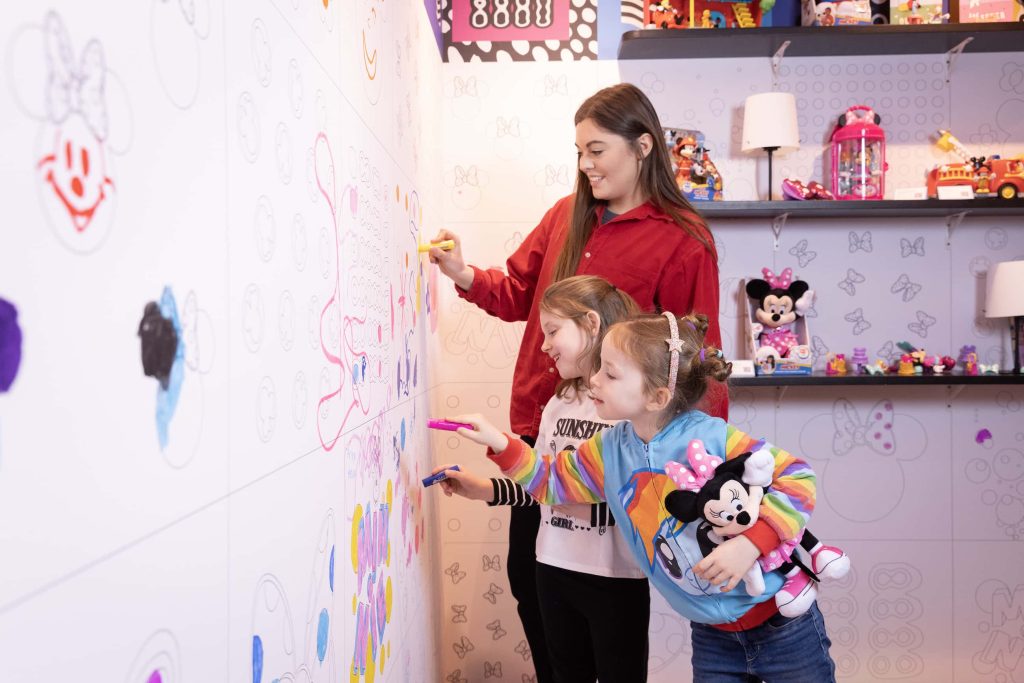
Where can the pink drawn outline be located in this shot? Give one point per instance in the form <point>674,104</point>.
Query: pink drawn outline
<point>347,321</point>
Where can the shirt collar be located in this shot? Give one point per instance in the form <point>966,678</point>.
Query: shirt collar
<point>643,212</point>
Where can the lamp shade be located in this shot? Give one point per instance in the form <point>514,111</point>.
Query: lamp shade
<point>769,120</point>
<point>1005,293</point>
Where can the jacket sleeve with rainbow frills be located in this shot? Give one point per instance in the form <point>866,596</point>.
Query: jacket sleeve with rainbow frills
<point>565,477</point>
<point>789,501</point>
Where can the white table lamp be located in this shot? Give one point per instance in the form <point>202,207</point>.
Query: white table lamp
<point>769,124</point>
<point>1004,298</point>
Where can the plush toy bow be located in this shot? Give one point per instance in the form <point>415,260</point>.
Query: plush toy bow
<point>701,469</point>
<point>780,281</point>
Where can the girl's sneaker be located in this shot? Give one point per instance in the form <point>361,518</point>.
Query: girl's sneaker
<point>796,595</point>
<point>818,190</point>
<point>830,562</point>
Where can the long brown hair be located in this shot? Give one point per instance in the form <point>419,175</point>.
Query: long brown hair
<point>574,297</point>
<point>624,110</point>
<point>643,338</point>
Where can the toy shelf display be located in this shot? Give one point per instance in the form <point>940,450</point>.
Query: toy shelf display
<point>889,208</point>
<point>820,41</point>
<point>821,379</point>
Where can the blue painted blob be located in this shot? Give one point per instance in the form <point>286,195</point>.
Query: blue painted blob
<point>257,659</point>
<point>167,399</point>
<point>321,635</point>
<point>403,433</point>
<point>330,571</point>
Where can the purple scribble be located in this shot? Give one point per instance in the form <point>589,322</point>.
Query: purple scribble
<point>982,436</point>
<point>10,344</point>
<point>155,677</point>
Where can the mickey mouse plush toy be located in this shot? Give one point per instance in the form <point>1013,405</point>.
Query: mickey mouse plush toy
<point>780,299</point>
<point>726,495</point>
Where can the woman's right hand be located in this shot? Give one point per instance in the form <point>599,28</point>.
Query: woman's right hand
<point>466,484</point>
<point>450,261</point>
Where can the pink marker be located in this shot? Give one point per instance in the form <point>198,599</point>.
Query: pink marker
<point>448,425</point>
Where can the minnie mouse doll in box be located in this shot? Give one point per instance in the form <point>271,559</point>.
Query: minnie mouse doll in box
<point>780,300</point>
<point>726,495</point>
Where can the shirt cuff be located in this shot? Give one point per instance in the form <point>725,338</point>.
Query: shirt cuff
<point>474,287</point>
<point>763,536</point>
<point>511,455</point>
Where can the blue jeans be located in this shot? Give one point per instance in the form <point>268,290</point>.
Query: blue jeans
<point>781,650</point>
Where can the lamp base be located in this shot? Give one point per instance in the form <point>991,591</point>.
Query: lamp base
<point>1017,339</point>
<point>770,150</point>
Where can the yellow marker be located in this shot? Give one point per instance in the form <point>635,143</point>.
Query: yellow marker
<point>447,245</point>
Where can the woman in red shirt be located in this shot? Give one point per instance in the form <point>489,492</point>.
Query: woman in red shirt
<point>628,223</point>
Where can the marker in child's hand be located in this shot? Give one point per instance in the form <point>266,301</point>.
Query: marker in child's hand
<point>440,476</point>
<point>447,245</point>
<point>448,425</point>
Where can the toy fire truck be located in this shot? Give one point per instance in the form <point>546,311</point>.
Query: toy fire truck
<point>990,176</point>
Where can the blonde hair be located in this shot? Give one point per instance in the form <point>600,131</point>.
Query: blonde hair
<point>643,339</point>
<point>576,296</point>
<point>624,110</point>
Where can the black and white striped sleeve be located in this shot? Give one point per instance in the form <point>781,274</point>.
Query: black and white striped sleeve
<point>508,492</point>
<point>600,515</point>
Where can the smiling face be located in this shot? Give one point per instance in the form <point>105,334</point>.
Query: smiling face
<point>776,311</point>
<point>566,343</point>
<point>735,510</point>
<point>611,165</point>
<point>618,387</point>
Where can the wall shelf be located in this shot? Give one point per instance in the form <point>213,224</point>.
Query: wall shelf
<point>814,41</point>
<point>876,380</point>
<point>925,208</point>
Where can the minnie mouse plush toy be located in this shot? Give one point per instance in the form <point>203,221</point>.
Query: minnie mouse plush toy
<point>726,496</point>
<point>780,299</point>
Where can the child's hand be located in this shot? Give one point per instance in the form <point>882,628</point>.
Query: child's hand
<point>484,433</point>
<point>465,484</point>
<point>728,562</point>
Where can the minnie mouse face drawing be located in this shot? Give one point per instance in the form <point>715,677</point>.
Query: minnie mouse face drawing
<point>69,95</point>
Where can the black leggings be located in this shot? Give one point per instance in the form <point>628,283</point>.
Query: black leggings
<point>522,580</point>
<point>596,626</point>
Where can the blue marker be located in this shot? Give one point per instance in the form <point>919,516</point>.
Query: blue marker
<point>443,474</point>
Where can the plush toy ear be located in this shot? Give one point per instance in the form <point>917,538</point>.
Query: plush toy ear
<point>797,289</point>
<point>734,467</point>
<point>758,289</point>
<point>682,505</point>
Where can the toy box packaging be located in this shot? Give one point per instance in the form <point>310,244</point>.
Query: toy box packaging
<point>911,12</point>
<point>777,337</point>
<point>836,13</point>
<point>986,11</point>
<point>696,174</point>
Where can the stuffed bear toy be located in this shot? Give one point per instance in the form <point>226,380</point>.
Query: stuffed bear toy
<point>726,495</point>
<point>779,299</point>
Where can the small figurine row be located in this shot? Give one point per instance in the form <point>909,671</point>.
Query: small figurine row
<point>911,362</point>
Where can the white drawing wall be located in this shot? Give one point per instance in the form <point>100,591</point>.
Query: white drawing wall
<point>934,594</point>
<point>214,331</point>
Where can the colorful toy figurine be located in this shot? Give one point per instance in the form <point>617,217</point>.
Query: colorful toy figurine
<point>992,369</point>
<point>971,364</point>
<point>859,360</point>
<point>990,176</point>
<point>696,174</point>
<point>858,155</point>
<point>906,365</point>
<point>879,368</point>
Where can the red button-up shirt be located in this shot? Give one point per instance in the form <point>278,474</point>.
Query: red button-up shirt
<point>643,252</point>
